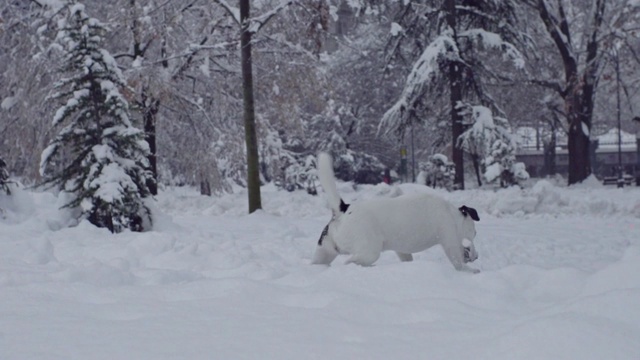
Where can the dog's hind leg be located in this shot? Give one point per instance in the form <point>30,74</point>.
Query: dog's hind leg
<point>404,257</point>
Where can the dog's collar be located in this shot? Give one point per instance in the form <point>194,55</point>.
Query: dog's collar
<point>325,231</point>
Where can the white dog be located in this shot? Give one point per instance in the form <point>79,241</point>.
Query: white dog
<point>406,225</point>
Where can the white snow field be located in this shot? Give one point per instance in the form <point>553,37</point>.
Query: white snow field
<point>560,280</point>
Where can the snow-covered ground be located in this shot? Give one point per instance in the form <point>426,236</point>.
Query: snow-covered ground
<point>560,280</point>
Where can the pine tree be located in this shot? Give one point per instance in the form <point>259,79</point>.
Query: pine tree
<point>98,156</point>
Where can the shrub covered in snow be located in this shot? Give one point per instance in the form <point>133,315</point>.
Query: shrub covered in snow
<point>501,164</point>
<point>98,157</point>
<point>490,139</point>
<point>438,172</point>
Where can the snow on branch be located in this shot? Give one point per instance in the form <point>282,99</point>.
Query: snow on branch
<point>231,10</point>
<point>494,40</point>
<point>424,70</point>
<point>256,23</point>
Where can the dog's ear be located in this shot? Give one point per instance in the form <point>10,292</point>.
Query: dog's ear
<point>465,210</point>
<point>343,206</point>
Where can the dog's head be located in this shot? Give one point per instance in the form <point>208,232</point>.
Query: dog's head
<point>470,216</point>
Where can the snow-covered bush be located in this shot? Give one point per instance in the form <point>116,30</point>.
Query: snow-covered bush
<point>438,171</point>
<point>98,157</point>
<point>490,139</point>
<point>358,167</point>
<point>300,175</point>
<point>501,164</point>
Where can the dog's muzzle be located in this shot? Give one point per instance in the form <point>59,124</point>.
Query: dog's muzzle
<point>468,256</point>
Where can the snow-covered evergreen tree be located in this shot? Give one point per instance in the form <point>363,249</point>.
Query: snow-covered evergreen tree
<point>98,157</point>
<point>501,164</point>
<point>437,172</point>
<point>489,138</point>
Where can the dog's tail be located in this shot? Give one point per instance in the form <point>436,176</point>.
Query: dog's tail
<point>328,182</point>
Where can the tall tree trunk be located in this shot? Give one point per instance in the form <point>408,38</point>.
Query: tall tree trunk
<point>578,136</point>
<point>476,167</point>
<point>583,98</point>
<point>455,88</point>
<point>149,105</point>
<point>150,110</point>
<point>578,146</point>
<point>253,166</point>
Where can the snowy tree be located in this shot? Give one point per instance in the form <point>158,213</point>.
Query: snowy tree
<point>582,34</point>
<point>174,57</point>
<point>330,132</point>
<point>98,157</point>
<point>25,77</point>
<point>490,140</point>
<point>249,26</point>
<point>454,45</point>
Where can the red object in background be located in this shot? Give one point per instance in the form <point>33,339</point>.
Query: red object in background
<point>387,177</point>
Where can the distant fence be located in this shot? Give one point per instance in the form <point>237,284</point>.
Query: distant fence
<point>604,159</point>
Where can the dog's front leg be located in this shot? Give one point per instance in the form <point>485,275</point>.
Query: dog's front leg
<point>467,268</point>
<point>363,259</point>
<point>324,255</point>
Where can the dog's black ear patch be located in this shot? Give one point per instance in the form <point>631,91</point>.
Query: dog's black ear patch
<point>465,210</point>
<point>343,206</point>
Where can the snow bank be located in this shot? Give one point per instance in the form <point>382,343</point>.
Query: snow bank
<point>544,198</point>
<point>559,280</point>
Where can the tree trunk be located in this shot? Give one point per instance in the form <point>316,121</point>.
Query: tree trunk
<point>205,187</point>
<point>455,87</point>
<point>476,166</point>
<point>580,127</point>
<point>150,107</point>
<point>578,146</point>
<point>253,166</point>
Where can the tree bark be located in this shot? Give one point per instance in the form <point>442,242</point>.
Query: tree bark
<point>476,167</point>
<point>455,88</point>
<point>150,110</point>
<point>578,145</point>
<point>253,166</point>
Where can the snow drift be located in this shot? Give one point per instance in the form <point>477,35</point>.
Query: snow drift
<point>560,280</point>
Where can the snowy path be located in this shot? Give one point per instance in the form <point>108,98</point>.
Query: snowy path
<point>213,283</point>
